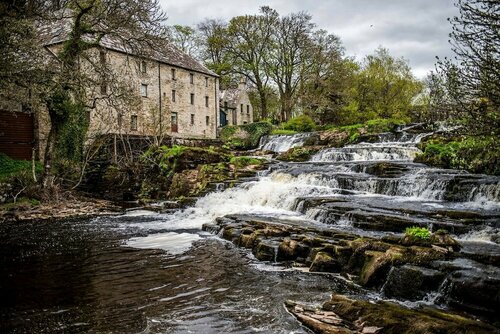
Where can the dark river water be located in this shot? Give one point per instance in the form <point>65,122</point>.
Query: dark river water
<point>78,276</point>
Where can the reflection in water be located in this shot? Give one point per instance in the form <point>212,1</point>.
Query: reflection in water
<point>79,277</point>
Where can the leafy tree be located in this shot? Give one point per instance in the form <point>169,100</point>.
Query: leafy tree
<point>185,38</point>
<point>324,87</point>
<point>287,57</point>
<point>249,42</point>
<point>22,62</point>
<point>473,77</point>
<point>136,25</point>
<point>385,87</point>
<point>214,40</point>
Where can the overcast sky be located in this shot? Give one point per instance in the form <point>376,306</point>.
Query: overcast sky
<point>415,29</point>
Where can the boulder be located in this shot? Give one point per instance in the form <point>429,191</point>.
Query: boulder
<point>324,262</point>
<point>411,282</point>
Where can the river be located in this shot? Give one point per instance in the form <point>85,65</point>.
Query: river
<point>147,272</point>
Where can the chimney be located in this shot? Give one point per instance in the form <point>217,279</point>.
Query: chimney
<point>243,83</point>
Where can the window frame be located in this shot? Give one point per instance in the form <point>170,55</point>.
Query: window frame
<point>173,97</point>
<point>145,92</point>
<point>134,121</point>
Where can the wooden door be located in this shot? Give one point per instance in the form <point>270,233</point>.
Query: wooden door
<point>174,122</point>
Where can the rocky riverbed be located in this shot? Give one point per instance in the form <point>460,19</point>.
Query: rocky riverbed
<point>315,245</point>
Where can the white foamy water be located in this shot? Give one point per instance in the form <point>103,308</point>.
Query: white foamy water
<point>173,243</point>
<point>282,143</point>
<point>367,152</point>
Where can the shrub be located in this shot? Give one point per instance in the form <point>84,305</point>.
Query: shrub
<point>476,154</point>
<point>245,136</point>
<point>245,161</point>
<point>10,167</point>
<point>418,232</point>
<point>283,132</point>
<point>301,123</point>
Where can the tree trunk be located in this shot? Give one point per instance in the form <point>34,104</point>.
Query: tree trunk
<point>263,104</point>
<point>48,175</point>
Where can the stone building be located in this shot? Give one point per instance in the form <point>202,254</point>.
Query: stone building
<point>235,106</point>
<point>170,93</point>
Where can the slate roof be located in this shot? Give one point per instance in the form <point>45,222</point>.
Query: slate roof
<point>230,96</point>
<point>58,32</point>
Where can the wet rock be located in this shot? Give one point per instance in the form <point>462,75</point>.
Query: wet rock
<point>375,268</point>
<point>394,318</point>
<point>334,138</point>
<point>324,262</point>
<point>411,282</point>
<point>266,250</point>
<point>345,315</point>
<point>474,289</point>
<point>386,169</point>
<point>290,249</point>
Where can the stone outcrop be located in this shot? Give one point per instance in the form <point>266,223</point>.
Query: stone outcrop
<point>393,265</point>
<point>343,315</point>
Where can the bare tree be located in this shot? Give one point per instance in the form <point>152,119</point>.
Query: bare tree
<point>286,59</point>
<point>473,76</point>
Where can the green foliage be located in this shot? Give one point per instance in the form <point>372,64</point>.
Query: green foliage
<point>477,154</point>
<point>283,132</point>
<point>10,167</point>
<point>240,162</point>
<point>245,136</point>
<point>301,123</point>
<point>384,124</point>
<point>418,232</point>
<point>297,154</point>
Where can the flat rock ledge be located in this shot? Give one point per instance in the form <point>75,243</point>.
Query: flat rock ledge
<point>63,209</point>
<point>344,315</point>
<point>393,266</point>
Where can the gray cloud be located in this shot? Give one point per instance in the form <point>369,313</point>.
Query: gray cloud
<point>415,30</point>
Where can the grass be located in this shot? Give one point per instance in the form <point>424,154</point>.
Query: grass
<point>240,162</point>
<point>10,167</point>
<point>418,232</point>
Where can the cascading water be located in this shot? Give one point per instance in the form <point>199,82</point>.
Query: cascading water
<point>282,143</point>
<point>199,284</point>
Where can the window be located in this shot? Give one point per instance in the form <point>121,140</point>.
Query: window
<point>248,109</point>
<point>191,78</point>
<point>144,90</point>
<point>241,108</point>
<point>192,119</point>
<point>133,123</point>
<point>173,74</point>
<point>173,119</point>
<point>192,98</point>
<point>207,120</point>
<point>206,101</point>
<point>120,120</point>
<point>173,95</point>
<point>143,66</point>
<point>206,81</point>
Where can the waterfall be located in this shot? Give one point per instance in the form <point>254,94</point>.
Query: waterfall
<point>282,143</point>
<point>367,152</point>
